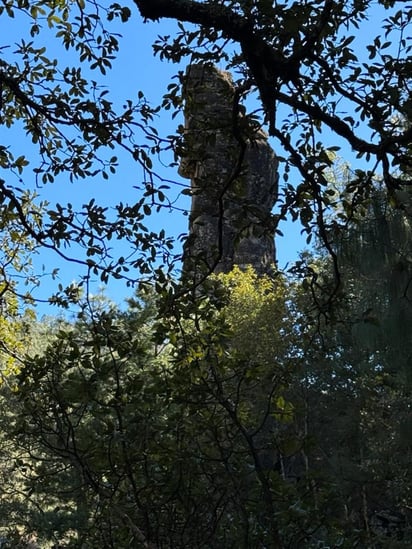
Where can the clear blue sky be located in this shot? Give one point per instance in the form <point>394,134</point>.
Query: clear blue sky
<point>135,69</point>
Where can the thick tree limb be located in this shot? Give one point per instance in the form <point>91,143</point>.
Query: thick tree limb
<point>190,11</point>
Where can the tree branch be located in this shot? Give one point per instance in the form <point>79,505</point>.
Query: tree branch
<point>270,66</point>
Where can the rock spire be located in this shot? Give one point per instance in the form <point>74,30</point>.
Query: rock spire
<point>234,180</point>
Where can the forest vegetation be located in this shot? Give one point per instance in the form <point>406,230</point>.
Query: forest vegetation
<point>240,410</point>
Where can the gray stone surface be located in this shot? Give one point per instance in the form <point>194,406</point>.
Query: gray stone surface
<point>230,218</point>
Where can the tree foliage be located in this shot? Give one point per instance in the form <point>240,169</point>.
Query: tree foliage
<point>73,131</point>
<point>320,89</point>
<point>249,425</point>
<point>241,411</point>
<point>357,375</point>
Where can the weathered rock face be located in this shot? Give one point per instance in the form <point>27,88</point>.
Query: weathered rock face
<point>233,173</point>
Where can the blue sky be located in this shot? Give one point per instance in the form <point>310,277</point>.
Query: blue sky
<point>134,69</point>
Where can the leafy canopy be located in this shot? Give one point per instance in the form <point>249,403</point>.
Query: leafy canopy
<point>320,88</point>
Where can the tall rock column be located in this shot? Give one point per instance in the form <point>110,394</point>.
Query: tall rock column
<point>234,180</point>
